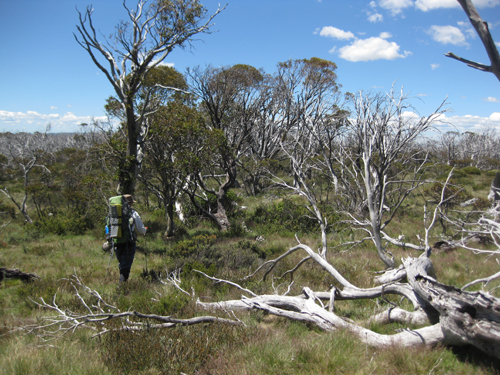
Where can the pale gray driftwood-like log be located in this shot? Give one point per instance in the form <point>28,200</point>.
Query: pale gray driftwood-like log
<point>465,317</point>
<point>307,310</point>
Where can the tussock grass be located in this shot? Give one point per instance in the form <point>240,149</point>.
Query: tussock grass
<point>268,345</point>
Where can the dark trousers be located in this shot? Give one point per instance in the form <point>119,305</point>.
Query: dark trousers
<point>125,253</point>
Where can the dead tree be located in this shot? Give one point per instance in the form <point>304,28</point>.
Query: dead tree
<point>456,317</point>
<point>26,152</point>
<point>137,47</point>
<point>483,31</point>
<point>380,163</point>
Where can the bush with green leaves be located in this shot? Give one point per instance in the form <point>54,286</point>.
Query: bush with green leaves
<point>471,170</point>
<point>61,225</point>
<point>284,216</point>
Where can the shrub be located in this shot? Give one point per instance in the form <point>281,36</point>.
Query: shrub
<point>458,173</point>
<point>284,216</point>
<point>454,194</point>
<point>63,224</point>
<point>190,247</point>
<point>471,170</point>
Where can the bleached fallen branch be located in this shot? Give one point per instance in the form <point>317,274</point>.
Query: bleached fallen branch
<point>64,320</point>
<point>484,280</point>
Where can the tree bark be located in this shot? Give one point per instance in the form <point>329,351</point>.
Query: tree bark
<point>466,317</point>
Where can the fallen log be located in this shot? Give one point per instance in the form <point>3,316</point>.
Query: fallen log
<point>6,273</point>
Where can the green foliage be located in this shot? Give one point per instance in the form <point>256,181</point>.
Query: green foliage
<point>453,194</point>
<point>282,217</point>
<point>492,173</point>
<point>253,247</point>
<point>172,303</point>
<point>459,173</point>
<point>471,170</point>
<point>461,163</point>
<point>192,247</point>
<point>61,225</point>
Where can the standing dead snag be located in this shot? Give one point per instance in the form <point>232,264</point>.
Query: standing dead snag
<point>483,31</point>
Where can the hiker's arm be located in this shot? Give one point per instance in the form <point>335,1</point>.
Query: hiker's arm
<point>139,225</point>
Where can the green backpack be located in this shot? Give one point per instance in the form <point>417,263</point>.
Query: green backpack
<point>120,221</point>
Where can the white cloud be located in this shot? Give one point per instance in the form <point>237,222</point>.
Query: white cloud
<point>395,6</point>
<point>170,65</point>
<point>469,122</point>
<point>53,107</point>
<point>33,121</point>
<point>333,32</point>
<point>426,5</point>
<point>410,115</point>
<point>376,17</point>
<point>385,35</point>
<point>495,116</point>
<point>468,30</point>
<point>447,35</point>
<point>374,48</point>
<point>435,66</point>
<point>491,99</point>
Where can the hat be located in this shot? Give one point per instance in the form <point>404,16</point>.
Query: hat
<point>106,246</point>
<point>129,198</point>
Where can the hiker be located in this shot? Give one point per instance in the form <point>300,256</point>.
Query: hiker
<point>125,252</point>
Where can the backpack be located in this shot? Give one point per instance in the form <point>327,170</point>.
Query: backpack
<point>120,221</point>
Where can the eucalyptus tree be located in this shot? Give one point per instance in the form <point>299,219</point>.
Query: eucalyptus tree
<point>310,117</point>
<point>229,98</point>
<point>172,153</point>
<point>263,142</point>
<point>127,57</point>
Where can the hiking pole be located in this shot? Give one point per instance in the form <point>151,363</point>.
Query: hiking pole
<point>111,255</point>
<point>146,249</point>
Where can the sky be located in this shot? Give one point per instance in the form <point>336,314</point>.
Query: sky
<point>46,77</point>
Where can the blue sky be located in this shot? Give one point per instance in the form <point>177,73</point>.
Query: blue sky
<point>45,76</point>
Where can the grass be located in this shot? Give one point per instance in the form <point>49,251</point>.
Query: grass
<point>266,345</point>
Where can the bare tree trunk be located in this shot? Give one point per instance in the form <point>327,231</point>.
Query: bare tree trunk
<point>22,207</point>
<point>486,38</point>
<point>169,213</point>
